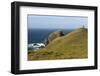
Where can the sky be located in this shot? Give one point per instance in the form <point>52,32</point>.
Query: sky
<point>56,22</point>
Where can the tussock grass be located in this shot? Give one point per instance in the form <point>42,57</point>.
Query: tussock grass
<point>71,46</point>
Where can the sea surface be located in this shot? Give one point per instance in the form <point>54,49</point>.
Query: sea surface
<point>39,35</point>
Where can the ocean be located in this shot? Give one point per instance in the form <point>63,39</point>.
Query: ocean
<point>39,35</point>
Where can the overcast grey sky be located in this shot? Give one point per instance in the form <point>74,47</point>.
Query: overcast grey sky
<point>56,22</point>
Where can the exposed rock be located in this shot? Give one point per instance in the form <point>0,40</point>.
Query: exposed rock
<point>53,36</point>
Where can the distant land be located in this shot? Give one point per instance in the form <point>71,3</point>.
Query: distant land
<point>73,45</point>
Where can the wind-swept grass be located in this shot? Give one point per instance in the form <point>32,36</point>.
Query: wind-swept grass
<point>71,46</point>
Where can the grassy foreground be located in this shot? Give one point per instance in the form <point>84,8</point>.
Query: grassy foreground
<point>70,46</point>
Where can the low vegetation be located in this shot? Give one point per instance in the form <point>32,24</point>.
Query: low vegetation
<point>70,46</point>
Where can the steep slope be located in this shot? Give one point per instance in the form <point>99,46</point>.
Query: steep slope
<point>53,36</point>
<point>70,46</point>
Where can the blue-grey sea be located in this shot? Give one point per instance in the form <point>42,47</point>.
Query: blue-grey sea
<point>39,35</point>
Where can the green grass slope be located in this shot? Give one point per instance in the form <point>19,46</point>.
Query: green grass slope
<point>70,46</point>
<point>53,36</point>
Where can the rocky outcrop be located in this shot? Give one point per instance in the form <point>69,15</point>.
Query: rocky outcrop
<point>53,36</point>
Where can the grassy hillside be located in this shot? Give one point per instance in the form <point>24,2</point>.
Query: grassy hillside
<point>53,36</point>
<point>70,46</point>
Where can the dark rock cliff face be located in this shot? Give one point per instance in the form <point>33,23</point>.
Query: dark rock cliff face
<point>53,36</point>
